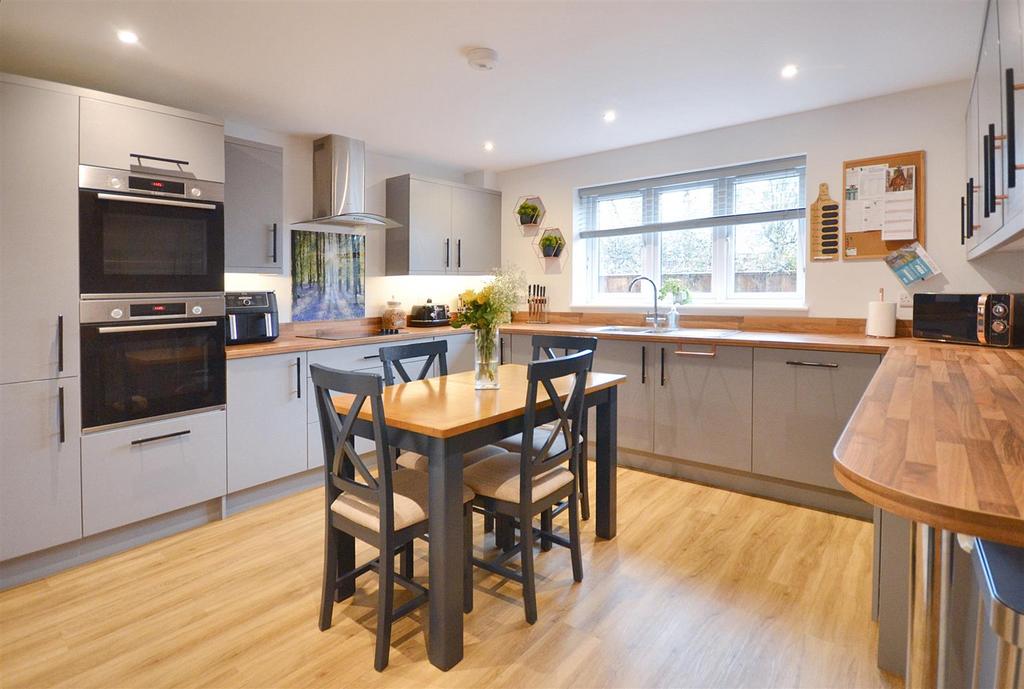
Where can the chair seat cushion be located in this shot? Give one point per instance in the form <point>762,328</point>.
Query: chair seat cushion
<point>514,443</point>
<point>412,460</point>
<point>411,502</point>
<point>498,477</point>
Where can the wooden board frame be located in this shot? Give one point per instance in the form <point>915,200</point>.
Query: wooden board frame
<point>870,245</point>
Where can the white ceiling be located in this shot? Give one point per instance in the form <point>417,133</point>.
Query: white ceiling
<point>393,73</point>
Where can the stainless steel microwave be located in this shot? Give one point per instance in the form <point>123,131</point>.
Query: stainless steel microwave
<point>992,319</point>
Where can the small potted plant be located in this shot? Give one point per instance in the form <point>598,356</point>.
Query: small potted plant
<point>675,289</point>
<point>551,245</point>
<point>528,213</point>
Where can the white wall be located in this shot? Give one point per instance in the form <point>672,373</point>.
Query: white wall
<point>931,119</point>
<point>298,205</point>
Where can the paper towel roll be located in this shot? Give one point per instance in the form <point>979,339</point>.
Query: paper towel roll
<point>881,319</point>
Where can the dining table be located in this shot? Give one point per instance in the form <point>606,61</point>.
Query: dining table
<point>445,417</point>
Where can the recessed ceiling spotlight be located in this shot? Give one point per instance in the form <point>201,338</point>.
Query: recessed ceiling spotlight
<point>609,116</point>
<point>488,146</point>
<point>789,71</point>
<point>126,36</point>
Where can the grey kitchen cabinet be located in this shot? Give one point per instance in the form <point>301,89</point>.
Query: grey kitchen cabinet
<point>111,133</point>
<point>266,419</point>
<point>140,471</point>
<point>802,401</point>
<point>975,173</point>
<point>635,396</point>
<point>445,228</point>
<point>476,228</point>
<point>253,207</point>
<point>520,349</point>
<point>40,472</point>
<point>1011,59</point>
<point>990,85</point>
<point>461,349</point>
<point>702,404</point>
<point>38,233</point>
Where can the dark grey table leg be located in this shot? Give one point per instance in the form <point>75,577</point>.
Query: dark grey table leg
<point>444,642</point>
<point>607,461</point>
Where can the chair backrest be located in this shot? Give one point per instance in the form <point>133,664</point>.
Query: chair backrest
<point>393,356</point>
<point>568,415</point>
<point>344,470</point>
<point>568,344</point>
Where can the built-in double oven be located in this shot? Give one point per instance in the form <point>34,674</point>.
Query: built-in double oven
<point>151,266</point>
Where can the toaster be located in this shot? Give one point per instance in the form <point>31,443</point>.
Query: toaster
<point>428,315</point>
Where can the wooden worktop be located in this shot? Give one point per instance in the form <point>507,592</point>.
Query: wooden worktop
<point>290,342</point>
<point>938,438</point>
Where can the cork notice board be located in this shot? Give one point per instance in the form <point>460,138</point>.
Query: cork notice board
<point>883,205</point>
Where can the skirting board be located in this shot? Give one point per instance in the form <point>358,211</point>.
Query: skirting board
<point>34,566</point>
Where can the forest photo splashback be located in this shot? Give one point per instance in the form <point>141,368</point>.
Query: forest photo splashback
<point>328,276</point>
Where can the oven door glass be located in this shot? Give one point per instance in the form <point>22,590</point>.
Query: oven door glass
<point>141,370</point>
<point>137,244</point>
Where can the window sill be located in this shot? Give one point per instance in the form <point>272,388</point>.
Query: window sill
<point>699,309</point>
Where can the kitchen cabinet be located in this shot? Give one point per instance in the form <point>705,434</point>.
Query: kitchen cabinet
<point>1011,61</point>
<point>446,228</point>
<point>40,479</point>
<point>702,403</point>
<point>461,352</point>
<point>112,133</point>
<point>989,85</point>
<point>802,401</point>
<point>973,188</point>
<point>38,233</point>
<point>519,350</point>
<point>266,419</point>
<point>140,471</point>
<point>636,395</point>
<point>253,207</point>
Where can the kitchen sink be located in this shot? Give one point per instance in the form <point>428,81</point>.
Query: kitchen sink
<point>673,332</point>
<point>623,329</point>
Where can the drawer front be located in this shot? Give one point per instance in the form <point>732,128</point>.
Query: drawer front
<point>124,481</point>
<point>802,401</point>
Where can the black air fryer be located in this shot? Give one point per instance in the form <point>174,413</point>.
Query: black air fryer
<point>251,317</point>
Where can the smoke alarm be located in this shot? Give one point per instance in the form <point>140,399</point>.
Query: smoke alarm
<point>482,59</point>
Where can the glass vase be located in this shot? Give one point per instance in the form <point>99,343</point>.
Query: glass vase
<point>487,359</point>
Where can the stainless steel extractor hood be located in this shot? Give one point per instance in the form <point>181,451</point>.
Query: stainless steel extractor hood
<point>338,178</point>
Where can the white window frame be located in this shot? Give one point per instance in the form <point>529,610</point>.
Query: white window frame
<point>723,243</point>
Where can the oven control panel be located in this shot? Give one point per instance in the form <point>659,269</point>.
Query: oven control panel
<point>125,181</point>
<point>148,309</point>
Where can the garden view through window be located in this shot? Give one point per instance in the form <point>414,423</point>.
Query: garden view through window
<point>727,235</point>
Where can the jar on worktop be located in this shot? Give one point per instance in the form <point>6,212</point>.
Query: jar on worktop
<point>393,316</point>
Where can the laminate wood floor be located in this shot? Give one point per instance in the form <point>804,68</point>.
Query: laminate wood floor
<point>702,588</point>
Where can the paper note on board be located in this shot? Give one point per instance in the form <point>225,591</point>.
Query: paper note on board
<point>880,197</point>
<point>912,263</point>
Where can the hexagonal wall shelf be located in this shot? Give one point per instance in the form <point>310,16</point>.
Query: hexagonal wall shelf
<point>556,251</point>
<point>537,217</point>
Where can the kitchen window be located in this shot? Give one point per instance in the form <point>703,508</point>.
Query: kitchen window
<point>731,236</point>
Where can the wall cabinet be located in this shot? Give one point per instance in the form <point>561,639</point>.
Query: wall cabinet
<point>40,479</point>
<point>112,133</point>
<point>446,228</point>
<point>38,233</point>
<point>802,401</point>
<point>253,207</point>
<point>266,419</point>
<point>702,404</point>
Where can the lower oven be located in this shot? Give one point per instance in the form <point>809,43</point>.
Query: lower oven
<point>150,358</point>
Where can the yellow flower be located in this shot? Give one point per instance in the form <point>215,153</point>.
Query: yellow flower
<point>482,299</point>
<point>468,296</point>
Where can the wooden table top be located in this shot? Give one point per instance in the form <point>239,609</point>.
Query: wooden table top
<point>938,438</point>
<point>448,406</point>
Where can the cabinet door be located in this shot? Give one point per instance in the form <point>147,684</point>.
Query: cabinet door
<point>38,233</point>
<point>476,230</point>
<point>636,395</point>
<point>266,419</point>
<point>702,404</point>
<point>253,207</point>
<point>112,132</point>
<point>1011,57</point>
<point>802,401</point>
<point>520,349</point>
<point>460,352</point>
<point>40,475</point>
<point>430,225</point>
<point>990,85</point>
<point>974,171</point>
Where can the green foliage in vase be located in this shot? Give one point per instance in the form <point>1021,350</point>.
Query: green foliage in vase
<point>486,309</point>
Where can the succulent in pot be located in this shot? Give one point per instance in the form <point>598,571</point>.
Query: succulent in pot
<point>551,245</point>
<point>528,213</point>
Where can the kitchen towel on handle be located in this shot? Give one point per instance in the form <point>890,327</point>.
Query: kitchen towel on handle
<point>881,318</point>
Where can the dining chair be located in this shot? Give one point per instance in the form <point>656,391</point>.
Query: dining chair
<point>368,500</point>
<point>549,346</point>
<point>519,485</point>
<point>394,359</point>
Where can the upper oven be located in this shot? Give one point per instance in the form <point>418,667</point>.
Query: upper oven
<point>146,232</point>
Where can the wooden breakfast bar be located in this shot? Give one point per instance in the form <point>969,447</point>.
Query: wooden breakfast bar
<point>938,438</point>
<point>443,418</point>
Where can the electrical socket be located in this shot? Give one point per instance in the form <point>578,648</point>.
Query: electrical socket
<point>906,301</point>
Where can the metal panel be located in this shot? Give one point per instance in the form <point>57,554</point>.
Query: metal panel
<point>40,479</point>
<point>253,207</point>
<point>38,233</point>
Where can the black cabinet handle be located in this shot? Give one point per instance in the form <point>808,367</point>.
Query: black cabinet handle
<point>60,412</point>
<point>992,167</point>
<point>274,242</point>
<point>60,343</point>
<point>298,377</point>
<point>165,436</point>
<point>970,208</point>
<point>1010,151</point>
<point>812,364</point>
<point>501,350</point>
<point>963,221</point>
<point>663,367</point>
<point>447,252</point>
<point>985,183</point>
<point>643,364</point>
<point>458,253</point>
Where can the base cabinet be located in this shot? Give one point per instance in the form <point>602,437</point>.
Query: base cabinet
<point>266,419</point>
<point>635,396</point>
<point>460,352</point>
<point>702,404</point>
<point>40,474</point>
<point>802,401</point>
<point>130,474</point>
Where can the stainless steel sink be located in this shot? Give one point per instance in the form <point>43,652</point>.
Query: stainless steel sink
<point>700,332</point>
<point>672,332</point>
<point>623,329</point>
